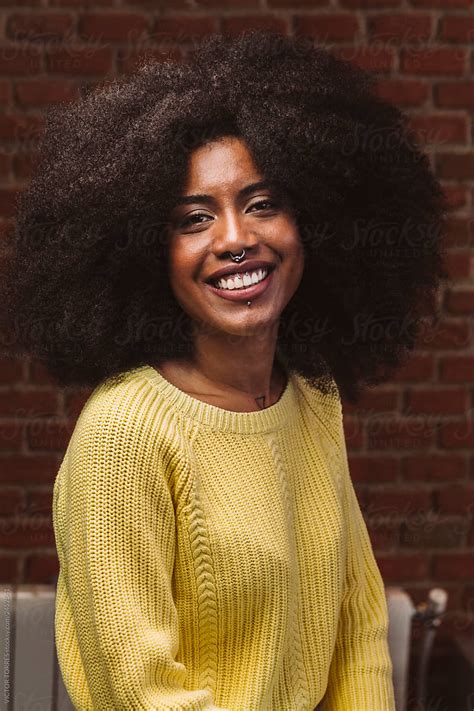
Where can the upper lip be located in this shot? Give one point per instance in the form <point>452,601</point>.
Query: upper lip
<point>249,265</point>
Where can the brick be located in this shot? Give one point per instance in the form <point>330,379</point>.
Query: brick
<point>11,370</point>
<point>79,61</point>
<point>224,4</point>
<point>5,92</point>
<point>456,499</point>
<point>333,26</point>
<point>74,402</point>
<point>373,401</point>
<point>399,434</point>
<point>446,335</point>
<point>20,3</point>
<point>6,228</point>
<point>456,196</point>
<point>438,129</point>
<point>24,165</point>
<point>296,4</point>
<point>448,4</point>
<point>460,232</point>
<point>41,569</point>
<point>383,536</point>
<point>183,28</point>
<point>17,60</point>
<point>457,435</point>
<point>451,401</point>
<point>27,403</point>
<point>400,27</point>
<point>234,26</point>
<point>403,92</point>
<point>39,502</point>
<point>19,532</point>
<point>468,599</point>
<point>416,368</point>
<point>457,166</point>
<point>49,435</point>
<point>81,4</point>
<point>11,436</point>
<point>113,27</point>
<point>43,92</point>
<point>353,432</point>
<point>373,469</point>
<point>429,534</point>
<point>396,504</point>
<point>459,301</point>
<point>458,264</point>
<point>453,566</point>
<point>28,469</point>
<point>8,199</point>
<point>456,370</point>
<point>375,4</point>
<point>457,28</point>
<point>372,59</point>
<point>439,60</point>
<point>436,467</point>
<point>21,127</point>
<point>360,492</point>
<point>10,500</point>
<point>5,166</point>
<point>9,569</point>
<point>39,375</point>
<point>454,95</point>
<point>401,568</point>
<point>39,26</point>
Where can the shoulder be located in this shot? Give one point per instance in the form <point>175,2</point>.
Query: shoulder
<point>322,399</point>
<point>128,414</point>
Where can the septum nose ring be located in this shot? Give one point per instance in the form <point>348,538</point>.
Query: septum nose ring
<point>238,258</point>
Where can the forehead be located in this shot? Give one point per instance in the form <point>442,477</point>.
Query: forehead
<point>223,163</point>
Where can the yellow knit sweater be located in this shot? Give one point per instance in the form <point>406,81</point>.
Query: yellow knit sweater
<point>212,559</point>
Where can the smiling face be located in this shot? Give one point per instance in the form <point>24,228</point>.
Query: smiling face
<point>226,211</point>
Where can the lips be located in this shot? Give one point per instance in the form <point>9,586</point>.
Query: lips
<point>247,293</point>
<point>249,266</point>
<point>214,282</point>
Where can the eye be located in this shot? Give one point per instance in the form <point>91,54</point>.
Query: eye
<point>270,203</point>
<point>190,220</point>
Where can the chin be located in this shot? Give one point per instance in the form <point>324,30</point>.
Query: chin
<point>246,324</point>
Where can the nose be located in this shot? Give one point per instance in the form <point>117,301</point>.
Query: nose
<point>234,235</point>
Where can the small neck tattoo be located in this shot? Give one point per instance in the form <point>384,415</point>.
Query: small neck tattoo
<point>260,401</point>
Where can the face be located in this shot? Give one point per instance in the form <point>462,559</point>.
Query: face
<point>226,207</point>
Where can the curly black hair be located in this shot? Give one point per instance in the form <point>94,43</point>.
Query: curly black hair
<point>87,290</point>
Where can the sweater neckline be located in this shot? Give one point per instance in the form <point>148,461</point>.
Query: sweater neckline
<point>218,418</point>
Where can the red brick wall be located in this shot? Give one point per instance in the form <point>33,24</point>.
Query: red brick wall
<point>410,441</point>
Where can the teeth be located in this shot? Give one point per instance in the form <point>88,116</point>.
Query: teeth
<point>238,281</point>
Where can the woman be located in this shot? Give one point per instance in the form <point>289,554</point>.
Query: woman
<point>221,248</point>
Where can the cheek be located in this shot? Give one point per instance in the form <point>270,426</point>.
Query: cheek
<point>182,265</point>
<point>292,245</point>
<point>294,254</point>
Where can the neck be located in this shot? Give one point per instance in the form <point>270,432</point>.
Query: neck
<point>239,364</point>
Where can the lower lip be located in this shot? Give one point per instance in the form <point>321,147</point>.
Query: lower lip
<point>251,292</point>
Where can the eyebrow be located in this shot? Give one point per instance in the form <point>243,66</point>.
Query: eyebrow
<point>187,199</point>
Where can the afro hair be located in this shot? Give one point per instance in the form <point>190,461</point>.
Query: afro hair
<point>87,290</point>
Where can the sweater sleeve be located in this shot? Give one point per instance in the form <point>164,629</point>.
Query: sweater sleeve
<point>360,676</point>
<point>114,522</point>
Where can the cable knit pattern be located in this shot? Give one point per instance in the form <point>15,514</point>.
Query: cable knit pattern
<point>212,559</point>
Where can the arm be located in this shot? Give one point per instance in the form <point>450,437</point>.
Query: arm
<point>114,525</point>
<point>360,676</point>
